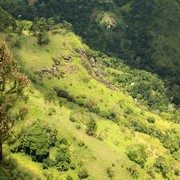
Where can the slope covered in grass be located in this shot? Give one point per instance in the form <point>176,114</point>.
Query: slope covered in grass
<point>70,86</point>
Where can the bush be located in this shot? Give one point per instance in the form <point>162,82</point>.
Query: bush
<point>137,154</point>
<point>48,163</point>
<point>83,173</point>
<point>69,177</point>
<point>91,128</point>
<point>161,166</point>
<point>17,43</point>
<point>50,96</point>
<point>73,166</point>
<point>63,94</point>
<point>177,172</point>
<point>151,119</point>
<point>36,141</point>
<point>43,38</point>
<point>63,157</point>
<point>62,166</point>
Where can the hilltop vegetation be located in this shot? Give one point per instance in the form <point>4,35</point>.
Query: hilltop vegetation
<point>85,113</point>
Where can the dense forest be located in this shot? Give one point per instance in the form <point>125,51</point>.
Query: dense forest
<point>89,89</point>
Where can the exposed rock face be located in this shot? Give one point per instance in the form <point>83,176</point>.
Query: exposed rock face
<point>53,71</point>
<point>80,51</point>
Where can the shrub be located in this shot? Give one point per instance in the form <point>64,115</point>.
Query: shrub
<point>137,154</point>
<point>56,61</point>
<point>63,94</point>
<point>50,96</point>
<point>151,119</point>
<point>177,172</point>
<point>36,140</point>
<point>72,119</point>
<point>63,157</point>
<point>73,166</point>
<point>43,38</point>
<point>83,173</point>
<point>62,166</point>
<point>69,177</point>
<point>81,144</point>
<point>48,163</point>
<point>91,128</point>
<point>110,114</point>
<point>161,166</point>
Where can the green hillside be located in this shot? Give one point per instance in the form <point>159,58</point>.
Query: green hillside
<point>89,111</point>
<point>68,90</point>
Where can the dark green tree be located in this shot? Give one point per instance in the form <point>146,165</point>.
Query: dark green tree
<point>40,28</point>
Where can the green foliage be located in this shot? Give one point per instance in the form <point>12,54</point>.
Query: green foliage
<point>137,154</point>
<point>151,119</point>
<point>91,128</point>
<point>161,166</point>
<point>63,157</point>
<point>40,27</point>
<point>83,173</point>
<point>50,96</point>
<point>36,141</point>
<point>143,86</point>
<point>7,22</point>
<point>43,38</point>
<point>48,163</point>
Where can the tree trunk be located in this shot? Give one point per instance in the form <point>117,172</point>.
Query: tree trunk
<point>0,148</point>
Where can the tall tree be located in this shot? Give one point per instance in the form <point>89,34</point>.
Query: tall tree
<point>12,84</point>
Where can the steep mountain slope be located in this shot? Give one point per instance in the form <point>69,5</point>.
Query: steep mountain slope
<point>72,86</point>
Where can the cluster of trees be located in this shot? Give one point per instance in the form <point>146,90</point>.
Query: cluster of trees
<point>142,85</point>
<point>39,148</point>
<point>169,139</point>
<point>40,27</point>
